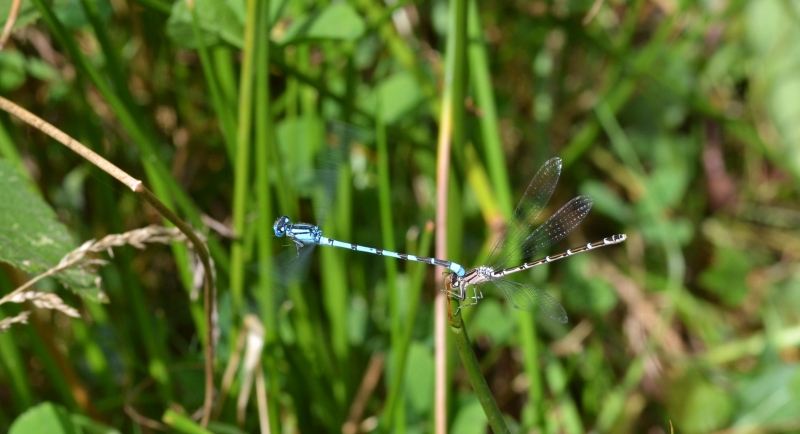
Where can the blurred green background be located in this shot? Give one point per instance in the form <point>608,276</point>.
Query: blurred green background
<point>680,118</point>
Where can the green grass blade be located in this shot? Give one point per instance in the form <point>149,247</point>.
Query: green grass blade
<point>241,182</point>
<point>488,120</point>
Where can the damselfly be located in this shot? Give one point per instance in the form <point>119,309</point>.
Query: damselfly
<point>306,235</point>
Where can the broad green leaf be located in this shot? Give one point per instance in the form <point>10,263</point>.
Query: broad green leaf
<point>666,185</point>
<point>44,418</point>
<point>52,418</point>
<point>69,12</point>
<point>15,68</point>
<point>769,398</point>
<point>607,202</point>
<point>31,238</point>
<point>399,94</point>
<point>697,405</point>
<point>220,21</point>
<point>419,378</point>
<point>727,276</point>
<point>593,295</point>
<point>339,21</point>
<point>12,70</point>
<point>72,16</point>
<point>678,229</point>
<point>772,32</point>
<point>42,70</point>
<point>298,161</point>
<point>88,425</point>
<point>491,320</point>
<point>470,418</point>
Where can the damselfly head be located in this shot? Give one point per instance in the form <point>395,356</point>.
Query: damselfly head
<point>280,226</point>
<point>455,282</point>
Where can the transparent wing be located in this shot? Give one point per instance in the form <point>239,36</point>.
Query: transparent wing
<point>557,226</point>
<point>284,270</point>
<point>325,182</point>
<point>524,297</point>
<point>333,156</point>
<point>291,266</point>
<point>507,248</point>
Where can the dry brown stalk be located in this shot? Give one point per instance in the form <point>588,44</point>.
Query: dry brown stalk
<point>138,187</point>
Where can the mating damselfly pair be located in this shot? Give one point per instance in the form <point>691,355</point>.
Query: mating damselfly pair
<point>517,243</point>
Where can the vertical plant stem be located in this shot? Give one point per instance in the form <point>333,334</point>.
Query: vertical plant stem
<point>266,293</point>
<point>263,143</point>
<point>13,362</point>
<point>473,368</point>
<point>387,232</point>
<point>242,165</point>
<point>387,229</point>
<point>440,303</point>
<point>451,116</point>
<point>484,96</point>
<point>532,414</point>
<point>209,295</point>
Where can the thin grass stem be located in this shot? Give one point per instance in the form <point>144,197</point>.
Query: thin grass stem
<point>473,368</point>
<point>488,120</point>
<point>264,134</point>
<point>241,181</point>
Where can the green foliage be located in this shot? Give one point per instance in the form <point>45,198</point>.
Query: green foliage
<point>727,277</point>
<point>680,118</point>
<point>587,295</point>
<point>68,11</point>
<point>420,378</point>
<point>768,397</point>
<point>13,66</point>
<point>335,22</point>
<point>397,96</point>
<point>53,418</point>
<point>697,405</point>
<point>31,237</point>
<point>219,21</point>
<point>15,70</point>
<point>771,31</point>
<point>470,418</point>
<point>492,320</point>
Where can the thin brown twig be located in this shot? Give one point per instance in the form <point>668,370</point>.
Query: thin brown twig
<point>230,374</point>
<point>134,414</point>
<point>365,390</point>
<point>208,293</point>
<point>62,137</point>
<point>261,401</point>
<point>592,12</point>
<point>13,13</point>
<point>139,188</point>
<point>250,364</point>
